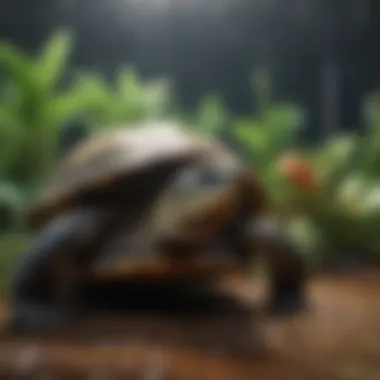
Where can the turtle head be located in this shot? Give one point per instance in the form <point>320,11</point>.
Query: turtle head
<point>197,202</point>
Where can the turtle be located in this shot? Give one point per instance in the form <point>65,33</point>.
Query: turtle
<point>160,197</point>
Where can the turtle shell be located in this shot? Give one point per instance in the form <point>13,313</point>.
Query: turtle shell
<point>105,160</point>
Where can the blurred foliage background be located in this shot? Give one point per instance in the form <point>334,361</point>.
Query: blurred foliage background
<point>328,194</point>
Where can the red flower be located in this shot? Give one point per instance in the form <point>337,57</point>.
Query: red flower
<point>299,171</point>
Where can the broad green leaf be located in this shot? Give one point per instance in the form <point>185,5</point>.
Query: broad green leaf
<point>283,118</point>
<point>211,115</point>
<point>51,63</point>
<point>307,236</point>
<point>252,137</point>
<point>69,104</point>
<point>11,137</point>
<point>158,98</point>
<point>350,193</point>
<point>18,67</point>
<point>11,201</point>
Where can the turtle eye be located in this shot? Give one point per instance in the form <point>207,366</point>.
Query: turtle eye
<point>210,178</point>
<point>196,181</point>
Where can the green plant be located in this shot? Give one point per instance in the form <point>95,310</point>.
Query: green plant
<point>130,100</point>
<point>34,104</point>
<point>12,246</point>
<point>341,215</point>
<point>211,115</point>
<point>11,207</point>
<point>33,107</point>
<point>267,136</point>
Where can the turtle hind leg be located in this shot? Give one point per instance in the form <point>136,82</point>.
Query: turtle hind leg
<point>287,269</point>
<point>40,282</point>
<point>287,297</point>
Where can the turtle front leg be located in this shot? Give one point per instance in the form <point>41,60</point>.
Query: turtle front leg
<point>41,289</point>
<point>287,268</point>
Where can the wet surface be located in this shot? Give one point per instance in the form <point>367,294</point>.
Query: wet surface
<point>338,338</point>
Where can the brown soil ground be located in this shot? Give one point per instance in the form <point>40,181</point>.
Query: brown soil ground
<point>338,338</point>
